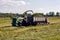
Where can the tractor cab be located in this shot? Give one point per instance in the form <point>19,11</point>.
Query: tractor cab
<point>27,19</point>
<point>19,21</point>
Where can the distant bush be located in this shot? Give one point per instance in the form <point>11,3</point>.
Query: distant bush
<point>10,15</point>
<point>38,14</point>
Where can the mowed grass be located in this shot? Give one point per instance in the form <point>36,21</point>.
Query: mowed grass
<point>40,32</point>
<point>5,21</point>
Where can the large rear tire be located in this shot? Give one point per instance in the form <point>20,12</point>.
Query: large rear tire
<point>19,24</point>
<point>34,23</point>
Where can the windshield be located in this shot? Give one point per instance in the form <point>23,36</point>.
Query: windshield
<point>20,19</point>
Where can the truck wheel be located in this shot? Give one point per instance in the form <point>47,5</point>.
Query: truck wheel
<point>24,23</point>
<point>13,24</point>
<point>19,24</point>
<point>34,23</point>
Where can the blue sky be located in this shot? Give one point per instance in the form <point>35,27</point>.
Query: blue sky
<point>19,6</point>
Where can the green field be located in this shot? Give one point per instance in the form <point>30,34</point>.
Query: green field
<point>40,32</point>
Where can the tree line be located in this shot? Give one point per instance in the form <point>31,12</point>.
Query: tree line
<point>11,15</point>
<point>50,14</point>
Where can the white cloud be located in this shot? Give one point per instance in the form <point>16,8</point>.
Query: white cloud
<point>40,10</point>
<point>12,5</point>
<point>23,2</point>
<point>46,10</point>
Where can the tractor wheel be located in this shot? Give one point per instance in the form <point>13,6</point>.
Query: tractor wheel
<point>19,24</point>
<point>34,23</point>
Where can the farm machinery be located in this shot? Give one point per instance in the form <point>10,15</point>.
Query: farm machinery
<point>28,19</point>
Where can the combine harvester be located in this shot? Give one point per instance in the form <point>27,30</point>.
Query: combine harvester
<point>29,19</point>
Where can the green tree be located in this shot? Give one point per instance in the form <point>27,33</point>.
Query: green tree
<point>51,13</point>
<point>57,13</point>
<point>38,14</point>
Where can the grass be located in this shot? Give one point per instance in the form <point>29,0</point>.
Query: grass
<point>5,20</point>
<point>40,32</point>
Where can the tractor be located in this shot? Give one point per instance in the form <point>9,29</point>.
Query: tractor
<point>28,19</point>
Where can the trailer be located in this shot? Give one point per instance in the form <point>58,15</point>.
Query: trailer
<point>40,20</point>
<point>29,19</point>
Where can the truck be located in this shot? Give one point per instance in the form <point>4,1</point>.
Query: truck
<point>29,19</point>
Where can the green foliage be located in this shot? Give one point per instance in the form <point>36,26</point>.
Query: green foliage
<point>12,15</point>
<point>38,14</point>
<point>51,13</point>
<point>57,14</point>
